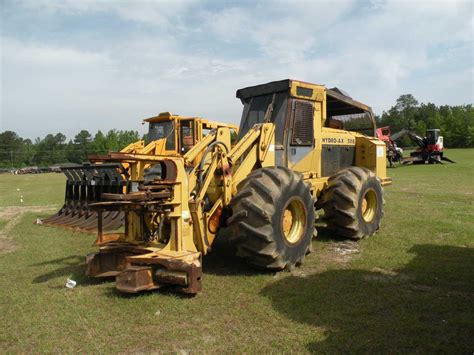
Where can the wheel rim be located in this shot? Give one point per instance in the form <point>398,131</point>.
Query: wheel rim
<point>293,221</point>
<point>369,205</point>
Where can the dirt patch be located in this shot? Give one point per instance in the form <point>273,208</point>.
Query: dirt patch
<point>344,251</point>
<point>333,253</point>
<point>6,245</point>
<point>10,212</point>
<point>13,216</point>
<point>385,275</point>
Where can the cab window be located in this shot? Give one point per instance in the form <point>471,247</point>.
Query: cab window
<point>160,130</point>
<point>187,136</point>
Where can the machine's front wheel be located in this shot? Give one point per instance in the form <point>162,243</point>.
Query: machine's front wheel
<point>273,218</point>
<point>353,203</point>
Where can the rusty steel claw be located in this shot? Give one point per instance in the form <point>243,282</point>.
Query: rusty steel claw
<point>112,220</point>
<point>85,185</point>
<point>158,269</point>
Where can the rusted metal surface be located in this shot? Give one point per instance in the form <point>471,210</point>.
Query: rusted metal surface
<point>105,264</point>
<point>164,276</point>
<point>135,279</point>
<point>140,268</point>
<point>141,202</point>
<point>111,259</point>
<point>161,268</point>
<point>108,238</point>
<point>137,196</point>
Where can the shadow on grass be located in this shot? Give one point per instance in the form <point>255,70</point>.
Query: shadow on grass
<point>425,306</point>
<point>71,266</point>
<point>223,261</point>
<point>166,290</point>
<point>325,236</point>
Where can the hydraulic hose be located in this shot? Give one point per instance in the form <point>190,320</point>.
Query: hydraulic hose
<point>203,160</point>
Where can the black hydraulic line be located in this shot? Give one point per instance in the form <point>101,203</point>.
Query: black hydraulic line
<point>203,160</point>
<point>447,159</point>
<point>412,135</point>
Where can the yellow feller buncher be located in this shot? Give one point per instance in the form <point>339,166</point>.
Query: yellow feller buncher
<point>300,147</point>
<point>168,134</point>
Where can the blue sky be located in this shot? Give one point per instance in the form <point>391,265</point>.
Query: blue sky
<point>72,65</point>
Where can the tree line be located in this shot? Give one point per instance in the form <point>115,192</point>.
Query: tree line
<point>455,122</point>
<point>55,148</point>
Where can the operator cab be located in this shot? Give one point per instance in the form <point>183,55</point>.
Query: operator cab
<point>434,140</point>
<point>432,136</point>
<point>180,132</point>
<point>301,111</point>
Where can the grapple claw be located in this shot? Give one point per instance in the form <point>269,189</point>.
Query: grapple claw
<point>85,185</point>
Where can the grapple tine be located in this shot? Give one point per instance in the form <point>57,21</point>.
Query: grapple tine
<point>115,219</point>
<point>78,202</point>
<point>65,207</point>
<point>109,221</point>
<point>88,220</point>
<point>82,212</point>
<point>87,224</point>
<point>69,204</point>
<point>118,221</point>
<point>85,185</point>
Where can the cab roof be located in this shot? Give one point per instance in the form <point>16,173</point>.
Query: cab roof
<point>338,98</point>
<point>166,116</point>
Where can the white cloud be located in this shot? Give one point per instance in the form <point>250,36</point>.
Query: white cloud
<point>48,56</point>
<point>230,25</point>
<point>194,64</point>
<point>283,31</point>
<point>75,90</point>
<point>152,12</point>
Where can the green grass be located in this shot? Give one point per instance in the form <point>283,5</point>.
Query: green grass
<point>408,289</point>
<point>35,189</point>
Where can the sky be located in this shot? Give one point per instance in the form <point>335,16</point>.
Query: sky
<point>71,65</point>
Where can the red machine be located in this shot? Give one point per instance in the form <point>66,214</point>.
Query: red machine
<point>434,141</point>
<point>394,153</point>
<point>430,148</point>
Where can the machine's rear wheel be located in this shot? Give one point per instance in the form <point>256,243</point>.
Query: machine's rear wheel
<point>273,218</point>
<point>353,203</point>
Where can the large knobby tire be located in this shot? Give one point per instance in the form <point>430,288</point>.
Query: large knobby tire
<point>353,203</point>
<point>273,218</point>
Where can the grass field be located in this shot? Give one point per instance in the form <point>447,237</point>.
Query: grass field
<point>408,289</point>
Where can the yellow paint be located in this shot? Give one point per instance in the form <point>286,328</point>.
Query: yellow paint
<point>192,204</point>
<point>371,154</point>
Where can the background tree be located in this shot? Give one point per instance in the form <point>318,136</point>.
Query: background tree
<point>10,146</point>
<point>50,150</point>
<point>99,143</point>
<point>82,146</point>
<point>455,122</point>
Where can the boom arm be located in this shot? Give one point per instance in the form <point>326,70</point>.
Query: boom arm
<point>215,180</point>
<point>412,135</point>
